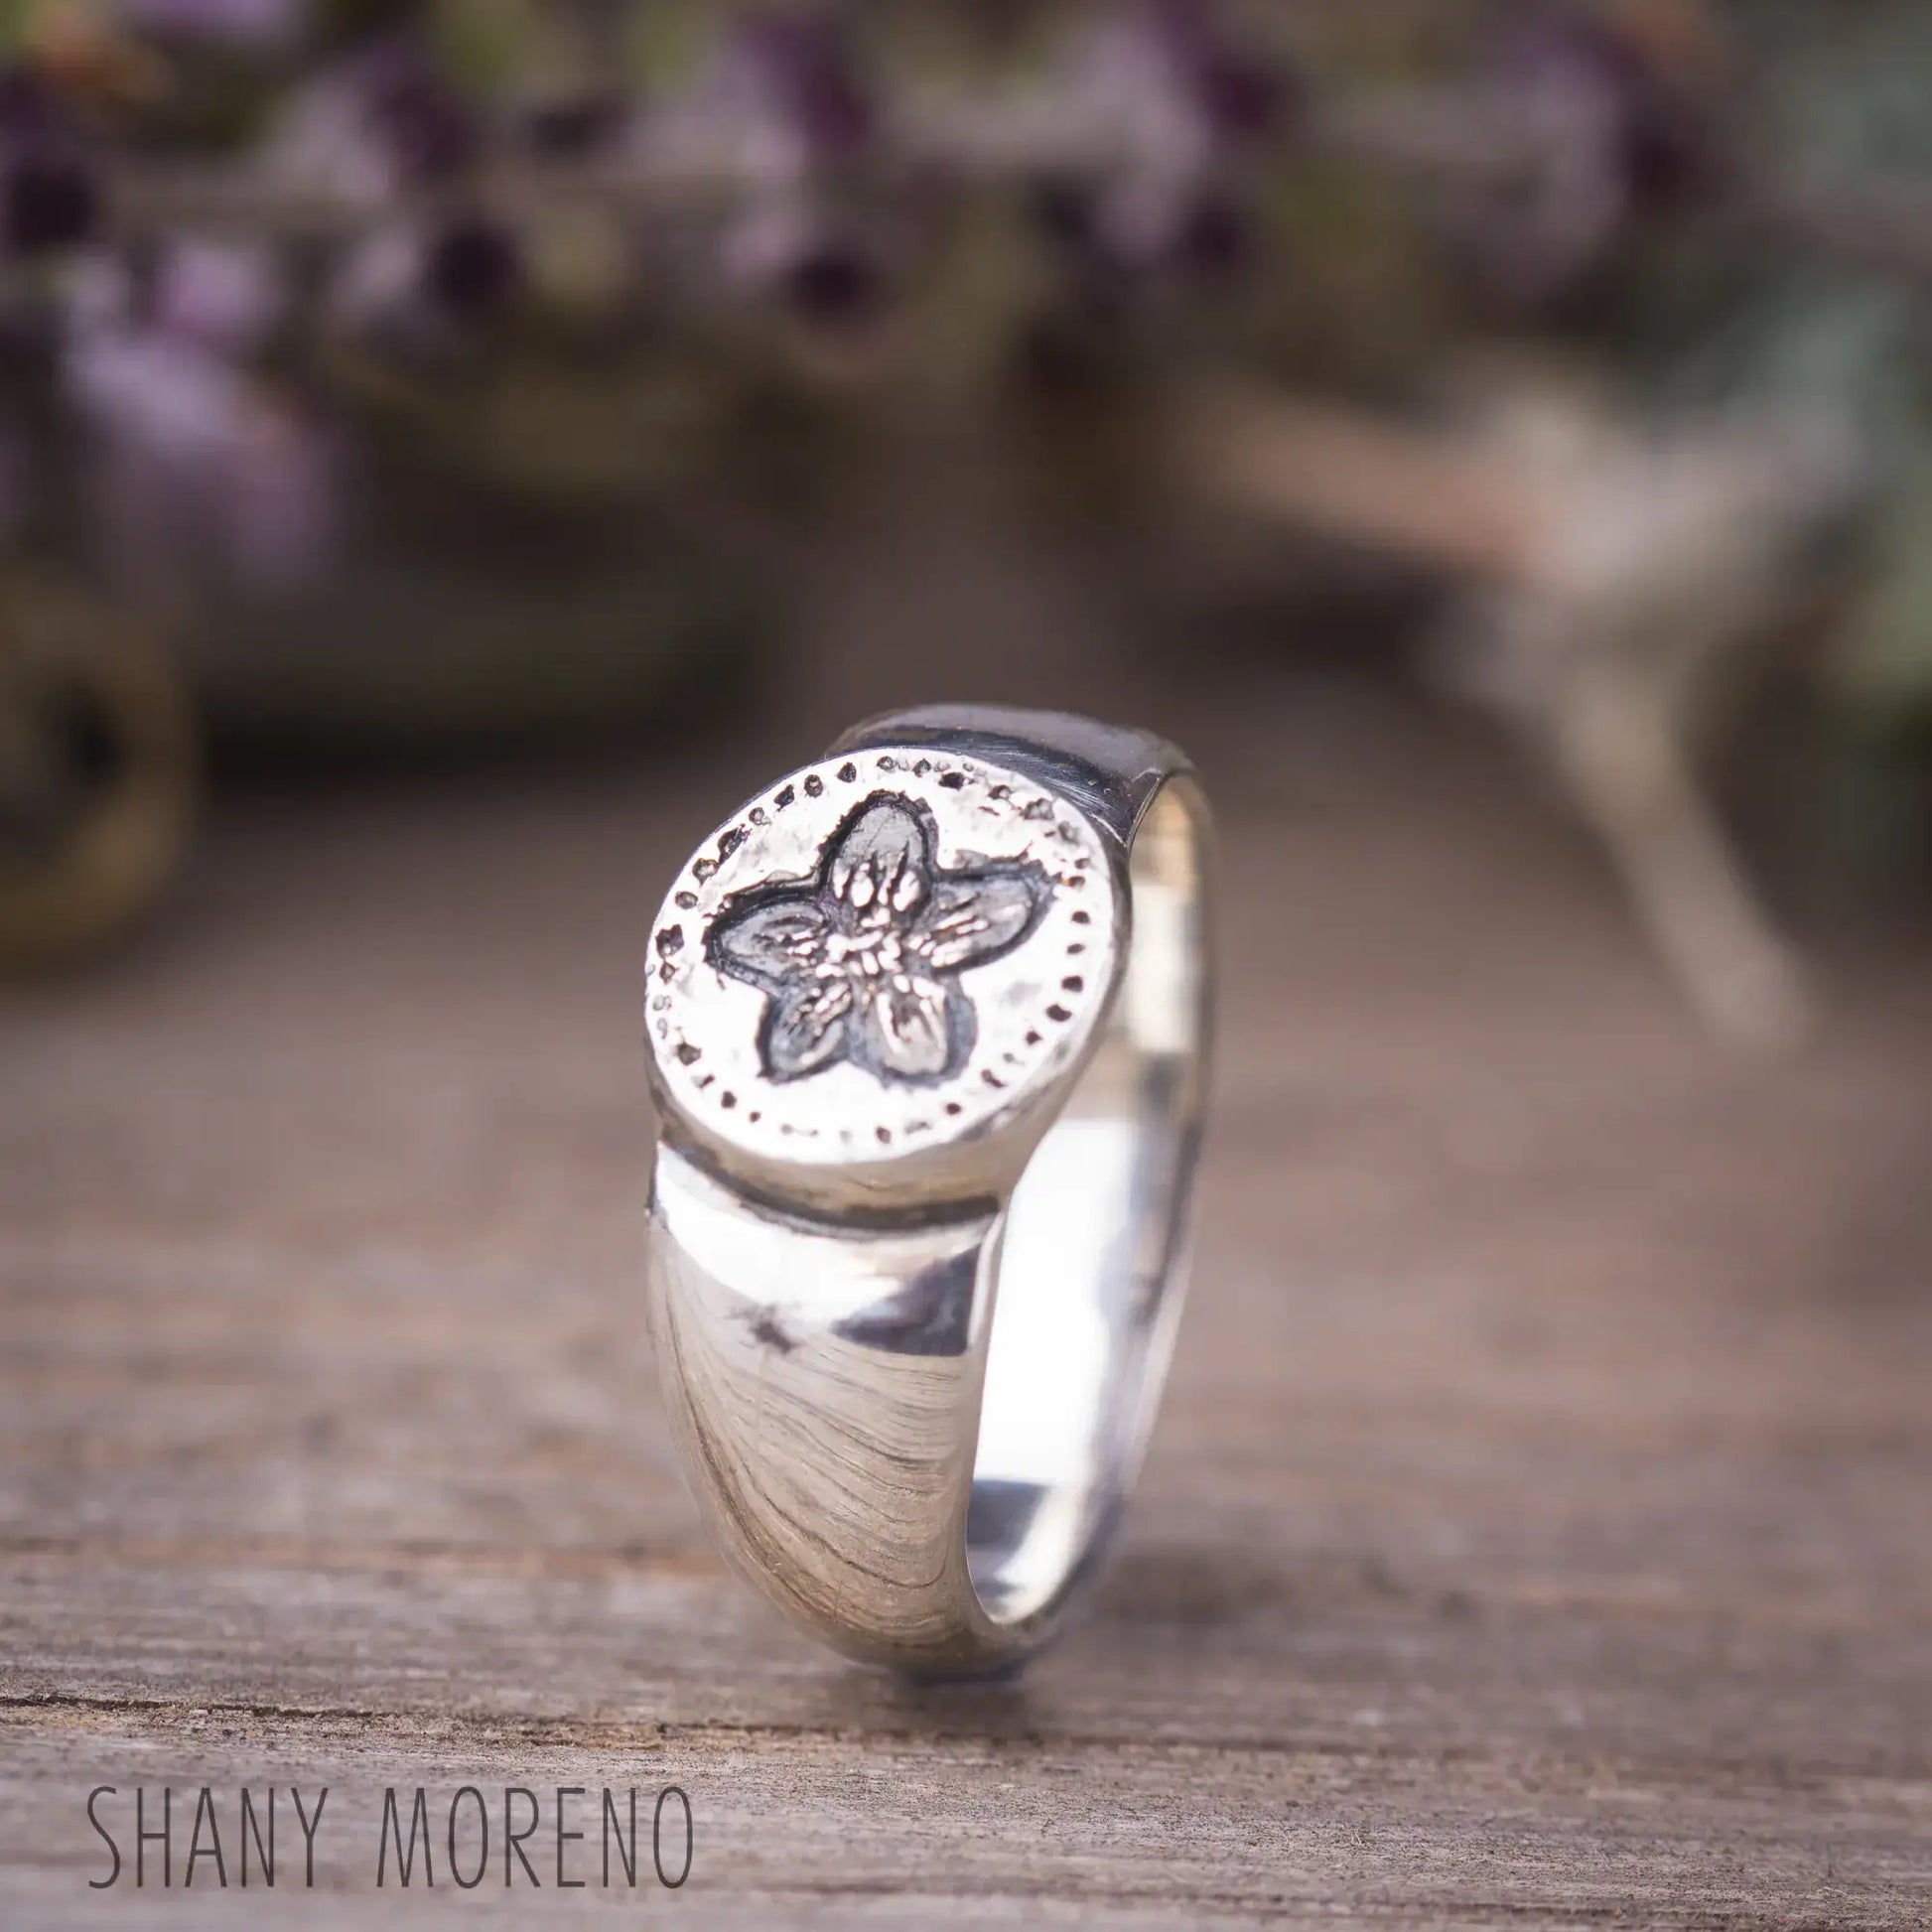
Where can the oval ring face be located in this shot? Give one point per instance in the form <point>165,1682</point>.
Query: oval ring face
<point>879,954</point>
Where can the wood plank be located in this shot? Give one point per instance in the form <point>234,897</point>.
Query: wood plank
<point>1538,1528</point>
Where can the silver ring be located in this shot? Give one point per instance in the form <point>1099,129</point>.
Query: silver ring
<point>927,1026</point>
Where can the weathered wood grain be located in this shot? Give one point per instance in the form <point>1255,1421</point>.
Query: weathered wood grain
<point>1539,1531</point>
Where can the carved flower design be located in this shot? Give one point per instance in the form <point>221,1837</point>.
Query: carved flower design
<point>862,962</point>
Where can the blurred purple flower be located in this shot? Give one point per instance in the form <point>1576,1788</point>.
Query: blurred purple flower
<point>796,73</point>
<point>1177,87</point>
<point>830,272</point>
<point>199,461</point>
<point>379,278</point>
<point>281,508</point>
<point>50,195</point>
<point>1181,105</point>
<point>223,297</point>
<point>1653,138</point>
<point>227,296</point>
<point>410,107</point>
<point>1609,139</point>
<point>1137,226</point>
<point>781,99</point>
<point>254,24</point>
<point>373,123</point>
<point>784,110</point>
<point>416,287</point>
<point>1238,93</point>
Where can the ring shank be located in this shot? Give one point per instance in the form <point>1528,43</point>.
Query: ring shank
<point>1087,1288</point>
<point>916,1435</point>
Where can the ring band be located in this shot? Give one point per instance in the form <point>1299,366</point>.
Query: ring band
<point>928,1028</point>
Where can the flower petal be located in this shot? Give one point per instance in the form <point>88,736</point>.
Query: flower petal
<point>769,940</point>
<point>883,863</point>
<point>973,916</point>
<point>907,1024</point>
<point>805,1027</point>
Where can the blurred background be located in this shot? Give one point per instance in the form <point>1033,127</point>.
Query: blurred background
<point>443,389</point>
<point>451,453</point>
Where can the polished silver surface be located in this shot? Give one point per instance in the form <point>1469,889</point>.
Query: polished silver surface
<point>928,1027</point>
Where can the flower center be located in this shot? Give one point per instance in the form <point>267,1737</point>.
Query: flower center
<point>874,953</point>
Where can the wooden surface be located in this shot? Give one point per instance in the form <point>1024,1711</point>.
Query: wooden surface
<point>1538,1530</point>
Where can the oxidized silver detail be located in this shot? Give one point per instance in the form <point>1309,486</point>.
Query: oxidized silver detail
<point>875,957</point>
<point>862,961</point>
<point>928,1021</point>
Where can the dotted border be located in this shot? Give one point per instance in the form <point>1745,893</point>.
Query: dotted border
<point>676,942</point>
